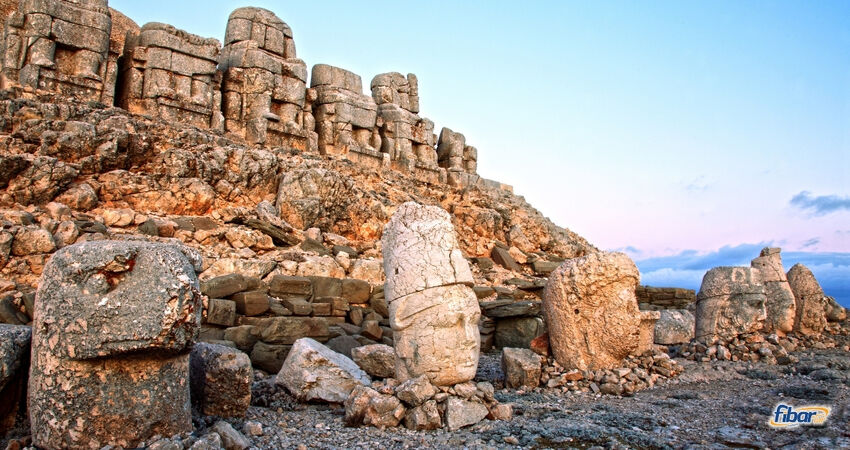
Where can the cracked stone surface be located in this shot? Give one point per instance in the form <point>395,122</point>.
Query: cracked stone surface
<point>433,310</point>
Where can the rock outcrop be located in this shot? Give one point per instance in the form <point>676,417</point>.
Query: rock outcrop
<point>433,310</point>
<point>127,312</point>
<point>591,311</point>
<point>731,302</point>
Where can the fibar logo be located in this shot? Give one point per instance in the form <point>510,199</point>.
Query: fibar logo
<point>787,416</point>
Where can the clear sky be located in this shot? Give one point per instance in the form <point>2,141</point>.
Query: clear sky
<point>671,130</point>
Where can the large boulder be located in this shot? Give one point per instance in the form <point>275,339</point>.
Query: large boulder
<point>220,380</point>
<point>780,307</point>
<point>811,301</point>
<point>674,326</point>
<point>433,310</point>
<point>121,311</point>
<point>591,311</point>
<point>730,302</point>
<point>314,372</point>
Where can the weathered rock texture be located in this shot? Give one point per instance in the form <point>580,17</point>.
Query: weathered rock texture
<point>345,118</point>
<point>171,74</point>
<point>731,302</point>
<point>126,312</point>
<point>14,365</point>
<point>811,302</point>
<point>434,313</point>
<point>646,335</point>
<point>591,311</point>
<point>780,307</point>
<point>60,46</point>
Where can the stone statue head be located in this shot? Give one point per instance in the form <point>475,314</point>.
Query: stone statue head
<point>436,334</point>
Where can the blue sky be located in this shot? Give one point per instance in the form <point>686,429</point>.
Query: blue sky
<point>670,129</point>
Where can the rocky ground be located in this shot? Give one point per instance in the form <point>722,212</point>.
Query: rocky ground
<point>711,405</point>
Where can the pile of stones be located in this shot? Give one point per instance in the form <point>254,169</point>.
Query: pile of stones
<point>526,370</point>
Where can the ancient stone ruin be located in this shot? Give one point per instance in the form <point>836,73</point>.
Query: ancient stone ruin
<point>171,74</point>
<point>254,88</point>
<point>61,47</point>
<point>592,313</point>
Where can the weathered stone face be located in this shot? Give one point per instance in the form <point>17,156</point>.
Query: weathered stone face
<point>591,311</point>
<point>435,332</point>
<point>171,74</point>
<point>264,88</point>
<point>60,46</point>
<point>120,311</point>
<point>731,302</point>
<point>433,310</point>
<point>811,302</point>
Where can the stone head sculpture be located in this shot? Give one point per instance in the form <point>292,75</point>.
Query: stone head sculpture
<point>433,311</point>
<point>731,302</point>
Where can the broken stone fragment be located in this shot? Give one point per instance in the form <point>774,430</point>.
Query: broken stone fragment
<point>368,407</point>
<point>377,360</point>
<point>522,368</point>
<point>220,380</point>
<point>315,372</point>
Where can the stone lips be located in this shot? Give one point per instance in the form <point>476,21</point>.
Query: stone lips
<point>590,308</point>
<point>82,310</point>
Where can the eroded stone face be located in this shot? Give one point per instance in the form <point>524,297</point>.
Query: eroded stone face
<point>591,311</point>
<point>434,312</point>
<point>731,302</point>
